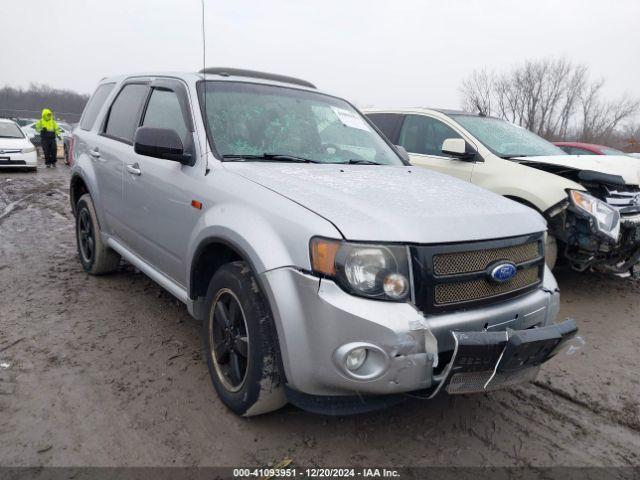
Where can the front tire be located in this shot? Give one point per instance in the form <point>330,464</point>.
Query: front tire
<point>241,344</point>
<point>96,258</point>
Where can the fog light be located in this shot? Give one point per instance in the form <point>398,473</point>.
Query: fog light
<point>355,358</point>
<point>395,286</point>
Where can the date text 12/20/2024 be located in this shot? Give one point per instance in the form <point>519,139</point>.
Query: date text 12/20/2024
<point>241,473</point>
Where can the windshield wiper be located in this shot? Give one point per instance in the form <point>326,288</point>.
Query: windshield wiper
<point>358,161</point>
<point>268,157</point>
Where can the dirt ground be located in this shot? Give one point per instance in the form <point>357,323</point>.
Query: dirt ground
<point>108,371</point>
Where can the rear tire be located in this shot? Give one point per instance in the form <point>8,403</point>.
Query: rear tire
<point>96,258</point>
<point>241,345</point>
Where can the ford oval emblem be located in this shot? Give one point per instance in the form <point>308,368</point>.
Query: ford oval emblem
<point>503,272</point>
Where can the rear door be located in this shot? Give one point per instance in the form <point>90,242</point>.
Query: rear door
<point>113,147</point>
<point>158,192</point>
<point>87,142</point>
<point>422,137</point>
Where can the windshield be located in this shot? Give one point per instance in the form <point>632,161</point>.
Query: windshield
<point>10,130</point>
<point>505,139</point>
<point>263,122</point>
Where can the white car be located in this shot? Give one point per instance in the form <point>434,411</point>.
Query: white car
<point>30,130</point>
<point>16,151</point>
<point>34,137</point>
<point>591,202</point>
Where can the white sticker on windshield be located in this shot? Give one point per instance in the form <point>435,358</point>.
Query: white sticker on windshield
<point>350,119</point>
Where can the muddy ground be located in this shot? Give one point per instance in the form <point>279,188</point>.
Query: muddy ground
<point>108,371</point>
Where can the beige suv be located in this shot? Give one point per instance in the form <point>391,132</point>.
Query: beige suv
<point>591,204</point>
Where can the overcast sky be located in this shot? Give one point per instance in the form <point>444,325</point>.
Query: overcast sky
<point>402,52</point>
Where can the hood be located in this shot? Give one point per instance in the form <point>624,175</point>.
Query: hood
<point>626,167</point>
<point>47,114</point>
<point>395,203</point>
<point>13,143</point>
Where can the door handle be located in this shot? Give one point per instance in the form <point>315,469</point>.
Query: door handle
<point>134,169</point>
<point>95,153</point>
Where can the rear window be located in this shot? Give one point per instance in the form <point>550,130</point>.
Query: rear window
<point>94,105</point>
<point>125,112</point>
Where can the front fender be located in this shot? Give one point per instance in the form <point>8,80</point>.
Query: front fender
<point>541,189</point>
<point>267,240</point>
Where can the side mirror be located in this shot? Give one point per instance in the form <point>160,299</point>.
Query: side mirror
<point>458,148</point>
<point>163,143</point>
<point>403,152</point>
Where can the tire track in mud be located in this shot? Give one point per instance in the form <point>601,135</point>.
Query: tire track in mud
<point>14,207</point>
<point>121,354</point>
<point>596,408</point>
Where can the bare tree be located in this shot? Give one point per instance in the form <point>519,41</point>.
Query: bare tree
<point>28,103</point>
<point>477,91</point>
<point>551,97</point>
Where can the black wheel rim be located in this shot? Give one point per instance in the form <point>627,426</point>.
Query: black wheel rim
<point>229,340</point>
<point>86,238</point>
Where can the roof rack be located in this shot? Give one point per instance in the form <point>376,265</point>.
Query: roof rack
<point>240,72</point>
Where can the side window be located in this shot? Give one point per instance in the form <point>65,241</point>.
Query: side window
<point>94,105</point>
<point>388,123</point>
<point>125,110</point>
<point>579,151</point>
<point>425,135</point>
<point>163,111</point>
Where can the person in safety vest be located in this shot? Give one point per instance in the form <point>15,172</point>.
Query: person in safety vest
<point>49,131</point>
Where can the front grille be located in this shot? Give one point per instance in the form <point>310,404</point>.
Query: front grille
<point>481,288</point>
<point>624,199</point>
<point>456,276</point>
<point>12,162</point>
<point>478,260</point>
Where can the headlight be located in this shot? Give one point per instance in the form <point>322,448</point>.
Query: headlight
<point>28,150</point>
<point>372,271</point>
<point>607,217</point>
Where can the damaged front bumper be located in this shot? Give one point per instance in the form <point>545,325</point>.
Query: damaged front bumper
<point>584,247</point>
<point>484,361</point>
<point>318,323</point>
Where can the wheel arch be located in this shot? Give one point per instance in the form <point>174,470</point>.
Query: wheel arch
<point>77,187</point>
<point>525,202</point>
<point>210,254</point>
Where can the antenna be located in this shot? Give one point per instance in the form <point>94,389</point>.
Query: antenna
<point>204,90</point>
<point>204,42</point>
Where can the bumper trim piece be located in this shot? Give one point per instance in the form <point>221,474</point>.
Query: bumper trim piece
<point>485,361</point>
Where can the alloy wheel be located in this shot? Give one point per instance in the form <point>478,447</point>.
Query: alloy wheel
<point>86,235</point>
<point>229,340</point>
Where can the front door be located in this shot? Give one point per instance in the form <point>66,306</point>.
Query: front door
<point>158,192</point>
<point>422,137</point>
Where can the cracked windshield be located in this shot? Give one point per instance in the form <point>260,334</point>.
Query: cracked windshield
<point>250,122</point>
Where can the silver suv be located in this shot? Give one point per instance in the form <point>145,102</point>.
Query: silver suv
<point>325,269</point>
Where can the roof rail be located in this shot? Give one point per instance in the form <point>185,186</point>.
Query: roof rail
<point>240,72</point>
